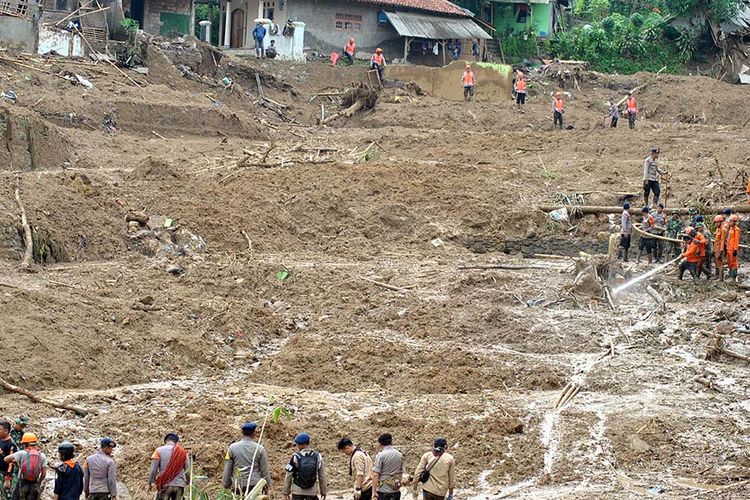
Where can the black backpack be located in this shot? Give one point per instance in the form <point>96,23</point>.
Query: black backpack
<point>306,470</point>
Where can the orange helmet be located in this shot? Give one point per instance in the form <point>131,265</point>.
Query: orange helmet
<point>719,219</point>
<point>735,218</point>
<point>378,50</point>
<point>29,438</point>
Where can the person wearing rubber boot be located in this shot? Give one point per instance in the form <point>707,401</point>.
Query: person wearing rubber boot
<point>691,256</point>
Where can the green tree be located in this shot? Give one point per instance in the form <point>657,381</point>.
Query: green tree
<point>202,14</point>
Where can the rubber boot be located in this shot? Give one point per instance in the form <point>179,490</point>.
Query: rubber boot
<point>721,273</point>
<point>626,255</point>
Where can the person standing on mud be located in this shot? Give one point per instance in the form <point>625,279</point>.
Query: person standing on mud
<point>360,468</point>
<point>646,242</point>
<point>520,88</point>
<point>378,63</point>
<point>733,246</point>
<point>660,229</point>
<point>437,473</point>
<point>169,465</point>
<point>651,176</point>
<point>626,231</point>
<point>68,475</point>
<point>31,469</point>
<point>349,50</point>
<point>632,110</point>
<point>100,473</point>
<point>614,113</point>
<point>557,109</point>
<point>387,470</point>
<point>468,80</point>
<point>691,256</point>
<point>305,472</point>
<point>720,246</point>
<point>19,427</point>
<point>7,448</point>
<point>243,456</point>
<point>707,249</point>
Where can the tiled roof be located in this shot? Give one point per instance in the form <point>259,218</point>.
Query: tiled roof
<point>437,6</point>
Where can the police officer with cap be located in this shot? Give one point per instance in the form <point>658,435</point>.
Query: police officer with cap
<point>247,457</point>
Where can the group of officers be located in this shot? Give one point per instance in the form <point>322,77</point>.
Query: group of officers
<point>246,469</point>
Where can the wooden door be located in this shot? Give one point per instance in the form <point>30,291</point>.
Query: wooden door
<point>238,29</point>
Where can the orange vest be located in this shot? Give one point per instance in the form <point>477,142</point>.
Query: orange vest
<point>733,239</point>
<point>700,240</point>
<point>693,253</point>
<point>720,240</point>
<point>559,104</point>
<point>632,105</point>
<point>378,59</point>
<point>350,48</point>
<point>468,78</point>
<point>748,185</point>
<point>521,85</point>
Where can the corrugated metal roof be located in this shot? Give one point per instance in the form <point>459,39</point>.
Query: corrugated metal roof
<point>740,22</point>
<point>523,1</point>
<point>442,6</point>
<point>434,27</point>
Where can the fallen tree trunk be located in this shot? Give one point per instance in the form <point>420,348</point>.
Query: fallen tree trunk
<point>511,267</point>
<point>359,104</point>
<point>18,390</point>
<point>595,209</point>
<point>28,241</point>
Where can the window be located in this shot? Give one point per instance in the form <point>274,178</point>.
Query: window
<point>524,11</point>
<point>348,22</point>
<point>268,10</point>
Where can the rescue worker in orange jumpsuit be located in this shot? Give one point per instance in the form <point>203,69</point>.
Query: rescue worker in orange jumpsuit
<point>720,245</point>
<point>632,110</point>
<point>748,189</point>
<point>557,109</point>
<point>733,246</point>
<point>691,256</point>
<point>520,88</point>
<point>468,80</point>
<point>702,242</point>
<point>378,63</point>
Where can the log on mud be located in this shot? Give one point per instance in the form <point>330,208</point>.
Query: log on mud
<point>18,390</point>
<point>594,210</point>
<point>28,241</point>
<point>354,100</point>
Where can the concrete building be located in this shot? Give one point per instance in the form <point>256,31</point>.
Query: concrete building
<point>162,17</point>
<point>398,26</point>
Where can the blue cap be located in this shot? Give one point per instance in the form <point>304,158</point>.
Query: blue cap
<point>644,210</point>
<point>727,211</point>
<point>302,438</point>
<point>626,206</point>
<point>698,218</point>
<point>107,443</point>
<point>249,427</point>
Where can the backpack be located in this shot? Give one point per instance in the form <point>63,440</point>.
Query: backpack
<point>31,468</point>
<point>306,470</point>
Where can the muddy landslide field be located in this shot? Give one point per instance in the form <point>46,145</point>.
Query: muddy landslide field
<point>202,255</point>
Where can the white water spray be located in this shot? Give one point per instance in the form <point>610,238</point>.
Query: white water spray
<point>645,276</point>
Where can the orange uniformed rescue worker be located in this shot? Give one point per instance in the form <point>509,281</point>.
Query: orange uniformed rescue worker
<point>468,80</point>
<point>702,242</point>
<point>720,245</point>
<point>691,256</point>
<point>632,110</point>
<point>557,109</point>
<point>520,88</point>
<point>378,63</point>
<point>349,50</point>
<point>733,246</point>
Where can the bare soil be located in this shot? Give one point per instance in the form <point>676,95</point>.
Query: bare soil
<point>185,323</point>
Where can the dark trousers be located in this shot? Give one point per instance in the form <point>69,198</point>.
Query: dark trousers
<point>99,496</point>
<point>381,72</point>
<point>690,267</point>
<point>426,495</point>
<point>558,118</point>
<point>389,496</point>
<point>613,122</point>
<point>631,119</point>
<point>468,92</point>
<point>27,490</point>
<point>304,497</point>
<point>651,187</point>
<point>171,493</point>
<point>366,495</point>
<point>349,58</point>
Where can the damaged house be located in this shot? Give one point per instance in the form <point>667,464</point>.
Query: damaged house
<point>67,27</point>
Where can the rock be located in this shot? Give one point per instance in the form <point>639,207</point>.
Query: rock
<point>148,300</point>
<point>174,270</point>
<point>638,444</point>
